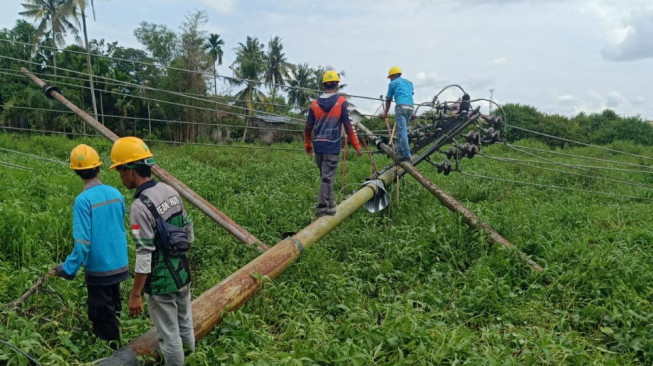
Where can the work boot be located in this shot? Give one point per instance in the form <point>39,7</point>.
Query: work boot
<point>402,158</point>
<point>326,212</point>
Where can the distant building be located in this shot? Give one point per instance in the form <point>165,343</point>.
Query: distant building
<point>275,129</point>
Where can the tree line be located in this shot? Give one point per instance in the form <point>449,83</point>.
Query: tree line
<point>136,91</point>
<point>169,89</point>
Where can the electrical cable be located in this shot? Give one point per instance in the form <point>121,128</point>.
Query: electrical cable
<point>34,156</point>
<point>524,161</point>
<point>204,73</point>
<point>565,165</point>
<point>571,173</point>
<point>31,360</point>
<point>578,142</point>
<point>14,166</point>
<point>578,156</point>
<point>157,119</point>
<point>190,96</point>
<point>554,187</point>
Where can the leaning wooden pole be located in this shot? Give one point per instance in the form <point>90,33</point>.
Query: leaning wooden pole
<point>196,200</point>
<point>449,201</point>
<point>235,290</point>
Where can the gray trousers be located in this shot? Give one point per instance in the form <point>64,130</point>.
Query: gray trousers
<point>173,318</point>
<point>328,165</point>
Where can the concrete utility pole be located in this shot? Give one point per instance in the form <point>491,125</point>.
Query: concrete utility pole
<point>490,104</point>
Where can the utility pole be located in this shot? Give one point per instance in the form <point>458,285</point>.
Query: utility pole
<point>489,103</point>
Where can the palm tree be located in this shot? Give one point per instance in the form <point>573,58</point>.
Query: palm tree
<point>214,47</point>
<point>303,86</point>
<point>248,69</point>
<point>52,17</point>
<point>278,68</point>
<point>79,9</point>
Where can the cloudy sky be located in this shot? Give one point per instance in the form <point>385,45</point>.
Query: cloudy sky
<point>560,56</point>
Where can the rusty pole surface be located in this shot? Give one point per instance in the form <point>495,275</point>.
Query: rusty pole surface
<point>196,200</point>
<point>450,202</point>
<point>240,286</point>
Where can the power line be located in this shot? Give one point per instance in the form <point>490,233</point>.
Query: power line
<point>578,142</point>
<point>118,82</point>
<point>554,187</point>
<point>565,165</point>
<point>14,166</point>
<point>204,73</point>
<point>577,156</point>
<point>159,141</point>
<point>570,173</point>
<point>158,120</point>
<point>34,156</point>
<point>569,165</point>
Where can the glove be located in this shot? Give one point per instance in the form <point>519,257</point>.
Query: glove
<point>59,272</point>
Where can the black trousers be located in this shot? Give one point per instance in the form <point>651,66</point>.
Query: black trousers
<point>104,305</point>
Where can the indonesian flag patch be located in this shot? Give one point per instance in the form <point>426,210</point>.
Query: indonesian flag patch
<point>136,229</point>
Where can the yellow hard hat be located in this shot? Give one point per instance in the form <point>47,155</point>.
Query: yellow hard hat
<point>330,76</point>
<point>84,157</point>
<point>394,70</point>
<point>127,150</point>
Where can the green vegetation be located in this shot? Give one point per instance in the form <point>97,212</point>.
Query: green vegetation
<point>409,285</point>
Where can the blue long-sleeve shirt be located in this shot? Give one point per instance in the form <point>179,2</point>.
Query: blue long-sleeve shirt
<point>99,234</point>
<point>402,90</point>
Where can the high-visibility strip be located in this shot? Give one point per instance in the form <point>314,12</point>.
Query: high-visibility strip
<point>99,204</point>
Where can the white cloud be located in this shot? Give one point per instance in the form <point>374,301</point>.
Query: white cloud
<point>499,60</point>
<point>426,79</point>
<point>221,6</point>
<point>567,98</point>
<point>614,100</point>
<point>629,26</point>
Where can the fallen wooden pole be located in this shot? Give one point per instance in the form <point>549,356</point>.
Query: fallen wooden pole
<point>449,201</point>
<point>240,286</point>
<point>195,199</point>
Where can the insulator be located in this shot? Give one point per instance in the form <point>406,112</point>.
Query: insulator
<point>444,167</point>
<point>450,153</point>
<point>473,137</point>
<point>464,105</point>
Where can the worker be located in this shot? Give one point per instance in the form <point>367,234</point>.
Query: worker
<point>402,91</point>
<point>326,117</point>
<point>100,244</point>
<point>162,233</point>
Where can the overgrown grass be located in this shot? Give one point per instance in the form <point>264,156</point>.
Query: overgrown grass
<point>410,285</point>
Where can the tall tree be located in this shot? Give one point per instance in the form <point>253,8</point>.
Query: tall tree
<point>248,68</point>
<point>52,17</point>
<point>303,86</point>
<point>278,68</point>
<point>213,46</point>
<point>80,11</point>
<point>159,40</point>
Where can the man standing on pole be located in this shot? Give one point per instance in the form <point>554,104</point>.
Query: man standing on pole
<point>326,117</point>
<point>162,234</point>
<point>402,90</point>
<point>100,244</point>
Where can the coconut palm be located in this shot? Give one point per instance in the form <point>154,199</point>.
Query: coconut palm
<point>213,46</point>
<point>248,69</point>
<point>278,69</point>
<point>303,86</point>
<point>52,17</point>
<point>79,7</point>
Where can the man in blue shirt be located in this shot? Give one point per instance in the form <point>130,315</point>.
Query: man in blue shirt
<point>100,244</point>
<point>402,91</point>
